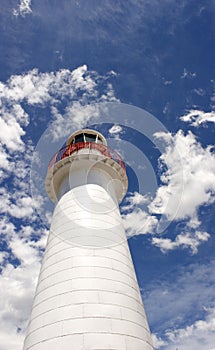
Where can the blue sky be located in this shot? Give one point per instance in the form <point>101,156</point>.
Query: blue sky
<point>143,73</point>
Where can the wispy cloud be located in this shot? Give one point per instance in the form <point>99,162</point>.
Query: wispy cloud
<point>197,117</point>
<point>199,335</point>
<point>186,74</point>
<point>157,341</point>
<point>23,9</point>
<point>172,303</point>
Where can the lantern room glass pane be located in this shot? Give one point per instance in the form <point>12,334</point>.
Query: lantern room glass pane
<point>99,140</point>
<point>79,138</point>
<point>90,138</point>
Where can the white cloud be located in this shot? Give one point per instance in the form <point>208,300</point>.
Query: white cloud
<point>184,240</point>
<point>17,283</point>
<point>166,82</point>
<point>4,159</point>
<point>38,88</point>
<point>3,256</point>
<point>79,88</point>
<point>19,203</point>
<point>139,222</point>
<point>76,115</point>
<point>157,341</point>
<point>196,117</point>
<point>115,129</point>
<point>199,335</point>
<point>188,176</point>
<point>180,307</point>
<point>188,182</point>
<point>24,8</point>
<point>81,80</point>
<point>64,89</point>
<point>135,219</point>
<point>135,199</point>
<point>11,131</point>
<point>186,74</point>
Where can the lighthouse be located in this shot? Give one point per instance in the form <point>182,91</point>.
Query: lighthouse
<point>87,297</point>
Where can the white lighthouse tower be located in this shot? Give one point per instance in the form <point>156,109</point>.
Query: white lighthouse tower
<point>87,297</point>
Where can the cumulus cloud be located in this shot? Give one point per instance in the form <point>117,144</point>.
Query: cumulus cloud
<point>4,159</point>
<point>139,222</point>
<point>136,220</point>
<point>157,341</point>
<point>17,285</point>
<point>78,88</point>
<point>12,120</point>
<point>18,205</point>
<point>18,281</point>
<point>135,199</point>
<point>39,88</point>
<point>196,117</point>
<point>184,240</point>
<point>187,183</point>
<point>188,178</point>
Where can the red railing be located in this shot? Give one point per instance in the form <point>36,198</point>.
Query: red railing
<point>75,147</point>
